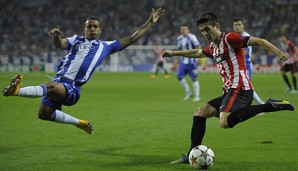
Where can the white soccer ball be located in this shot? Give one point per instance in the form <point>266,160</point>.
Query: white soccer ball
<point>201,157</point>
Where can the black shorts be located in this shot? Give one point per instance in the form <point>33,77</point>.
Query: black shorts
<point>232,100</point>
<point>289,67</point>
<point>160,64</point>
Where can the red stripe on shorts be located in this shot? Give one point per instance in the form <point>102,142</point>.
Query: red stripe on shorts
<point>232,100</point>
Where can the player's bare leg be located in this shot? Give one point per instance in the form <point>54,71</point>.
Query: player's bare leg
<point>51,114</point>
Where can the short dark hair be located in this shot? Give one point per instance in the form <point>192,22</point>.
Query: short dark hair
<point>184,25</point>
<point>94,18</point>
<point>238,19</point>
<point>208,17</point>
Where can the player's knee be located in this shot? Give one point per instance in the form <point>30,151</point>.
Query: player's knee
<point>197,112</point>
<point>51,87</point>
<point>224,124</point>
<point>202,111</point>
<point>44,116</point>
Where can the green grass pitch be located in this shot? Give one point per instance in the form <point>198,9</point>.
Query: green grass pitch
<point>142,124</point>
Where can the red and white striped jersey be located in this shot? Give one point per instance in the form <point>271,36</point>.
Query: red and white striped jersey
<point>230,60</point>
<point>289,47</point>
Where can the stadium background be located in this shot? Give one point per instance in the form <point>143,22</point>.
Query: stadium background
<point>139,123</point>
<point>26,46</point>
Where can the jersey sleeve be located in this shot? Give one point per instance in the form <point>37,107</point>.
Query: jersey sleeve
<point>237,41</point>
<point>70,42</point>
<point>206,51</point>
<point>114,46</point>
<point>194,40</point>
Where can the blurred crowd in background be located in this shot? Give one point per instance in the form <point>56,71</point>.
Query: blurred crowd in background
<point>25,24</point>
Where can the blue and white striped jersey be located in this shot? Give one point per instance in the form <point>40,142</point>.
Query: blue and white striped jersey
<point>248,62</point>
<point>185,43</point>
<point>83,57</point>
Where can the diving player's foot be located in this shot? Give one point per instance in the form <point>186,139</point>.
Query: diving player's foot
<point>14,87</point>
<point>182,160</point>
<point>280,104</point>
<point>86,126</point>
<point>188,95</point>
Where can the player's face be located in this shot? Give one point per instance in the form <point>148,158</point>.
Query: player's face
<point>283,39</point>
<point>184,30</point>
<point>238,27</point>
<point>211,33</point>
<point>92,29</point>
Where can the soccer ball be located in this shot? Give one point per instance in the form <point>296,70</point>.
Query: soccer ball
<point>201,157</point>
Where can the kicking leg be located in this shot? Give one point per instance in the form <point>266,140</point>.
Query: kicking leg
<point>244,113</point>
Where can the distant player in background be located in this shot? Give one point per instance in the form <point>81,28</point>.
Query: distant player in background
<point>238,26</point>
<point>290,65</point>
<point>160,63</point>
<point>189,66</point>
<point>85,53</point>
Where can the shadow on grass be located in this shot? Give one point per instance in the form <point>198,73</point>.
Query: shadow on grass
<point>135,161</point>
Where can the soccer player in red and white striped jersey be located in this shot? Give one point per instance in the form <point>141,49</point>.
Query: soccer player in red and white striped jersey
<point>290,65</point>
<point>234,106</point>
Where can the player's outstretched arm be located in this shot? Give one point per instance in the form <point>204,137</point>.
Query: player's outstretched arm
<point>58,41</point>
<point>193,53</point>
<point>155,14</point>
<point>268,46</point>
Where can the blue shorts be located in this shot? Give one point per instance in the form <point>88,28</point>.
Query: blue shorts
<point>249,70</point>
<point>73,92</point>
<point>190,69</point>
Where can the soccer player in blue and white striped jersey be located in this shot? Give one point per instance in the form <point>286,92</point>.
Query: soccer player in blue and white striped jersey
<point>85,53</point>
<point>238,26</point>
<point>187,41</point>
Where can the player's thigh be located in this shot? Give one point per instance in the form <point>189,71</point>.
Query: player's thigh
<point>210,109</point>
<point>181,72</point>
<point>293,69</point>
<point>206,111</point>
<point>193,72</point>
<point>223,119</point>
<point>56,91</point>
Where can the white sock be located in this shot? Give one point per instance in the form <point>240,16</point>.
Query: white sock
<point>196,88</point>
<point>33,91</point>
<point>61,117</point>
<point>184,85</point>
<point>257,98</point>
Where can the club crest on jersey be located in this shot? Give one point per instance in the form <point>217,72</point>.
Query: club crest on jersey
<point>219,58</point>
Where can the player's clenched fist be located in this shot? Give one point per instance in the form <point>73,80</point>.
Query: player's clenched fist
<point>55,32</point>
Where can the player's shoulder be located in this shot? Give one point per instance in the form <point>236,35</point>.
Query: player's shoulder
<point>179,37</point>
<point>245,34</point>
<point>232,36</point>
<point>108,42</point>
<point>192,35</point>
<point>75,39</point>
